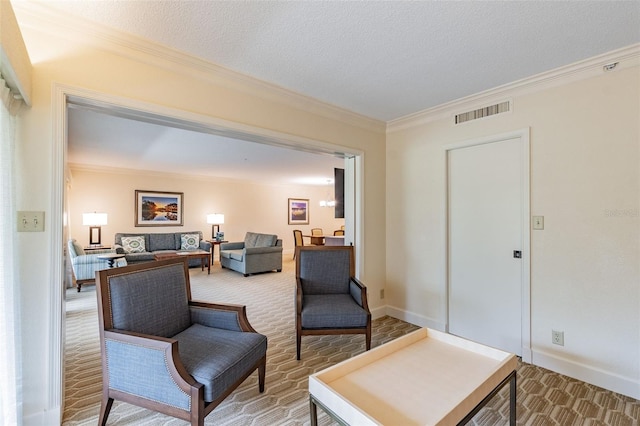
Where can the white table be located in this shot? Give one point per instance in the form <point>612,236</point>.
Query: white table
<point>424,378</point>
<point>334,240</point>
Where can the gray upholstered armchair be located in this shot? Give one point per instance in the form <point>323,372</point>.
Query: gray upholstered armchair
<point>257,253</point>
<point>329,299</point>
<point>165,352</point>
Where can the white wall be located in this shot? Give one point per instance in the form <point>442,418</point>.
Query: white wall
<point>247,206</point>
<point>60,56</point>
<point>585,180</point>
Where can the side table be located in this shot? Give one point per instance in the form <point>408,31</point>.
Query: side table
<point>215,243</point>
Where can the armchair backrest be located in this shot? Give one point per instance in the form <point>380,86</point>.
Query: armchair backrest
<point>149,298</point>
<point>75,249</point>
<point>324,270</point>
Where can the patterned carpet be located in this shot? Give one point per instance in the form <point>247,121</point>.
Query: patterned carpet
<point>544,398</point>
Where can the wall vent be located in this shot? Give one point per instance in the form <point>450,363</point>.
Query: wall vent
<point>483,112</point>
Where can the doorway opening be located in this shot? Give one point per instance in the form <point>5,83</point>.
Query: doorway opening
<point>66,96</point>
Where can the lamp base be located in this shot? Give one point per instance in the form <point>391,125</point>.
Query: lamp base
<point>95,235</point>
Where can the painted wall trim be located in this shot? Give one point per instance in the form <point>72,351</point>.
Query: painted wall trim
<point>588,374</point>
<point>45,19</point>
<point>627,57</point>
<point>414,318</point>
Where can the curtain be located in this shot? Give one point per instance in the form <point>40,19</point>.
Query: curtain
<point>10,342</point>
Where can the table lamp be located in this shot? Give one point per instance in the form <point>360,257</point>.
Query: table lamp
<point>94,221</point>
<point>215,219</point>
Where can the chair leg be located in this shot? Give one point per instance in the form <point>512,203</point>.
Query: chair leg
<point>368,338</point>
<point>298,343</point>
<point>262,369</point>
<point>105,408</point>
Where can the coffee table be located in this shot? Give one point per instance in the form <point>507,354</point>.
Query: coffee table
<point>424,378</point>
<point>204,257</point>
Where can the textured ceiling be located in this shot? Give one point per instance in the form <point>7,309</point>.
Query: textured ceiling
<point>380,59</point>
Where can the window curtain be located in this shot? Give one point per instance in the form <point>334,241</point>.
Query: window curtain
<point>10,342</point>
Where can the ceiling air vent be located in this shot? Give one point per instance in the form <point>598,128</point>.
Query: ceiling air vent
<point>483,112</point>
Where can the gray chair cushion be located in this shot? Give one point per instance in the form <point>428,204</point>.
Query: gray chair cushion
<point>250,239</point>
<point>332,311</point>
<point>317,278</point>
<point>137,306</point>
<point>266,240</point>
<point>218,358</point>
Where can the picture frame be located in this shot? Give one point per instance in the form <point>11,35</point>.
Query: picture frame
<point>298,211</point>
<point>156,208</point>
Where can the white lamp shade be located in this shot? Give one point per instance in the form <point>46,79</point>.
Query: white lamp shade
<point>94,219</point>
<point>215,218</point>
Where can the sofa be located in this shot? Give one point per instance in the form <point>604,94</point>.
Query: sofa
<point>84,265</point>
<point>141,247</point>
<point>257,253</point>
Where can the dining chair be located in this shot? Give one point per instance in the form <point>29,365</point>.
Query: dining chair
<point>316,231</point>
<point>338,232</point>
<point>297,239</point>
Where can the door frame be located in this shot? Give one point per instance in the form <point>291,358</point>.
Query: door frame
<point>62,96</point>
<point>525,303</point>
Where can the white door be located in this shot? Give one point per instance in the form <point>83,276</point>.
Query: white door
<point>488,193</point>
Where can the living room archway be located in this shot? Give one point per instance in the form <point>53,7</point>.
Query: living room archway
<point>64,96</point>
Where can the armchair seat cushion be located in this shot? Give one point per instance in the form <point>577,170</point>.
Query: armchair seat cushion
<point>332,311</point>
<point>218,358</point>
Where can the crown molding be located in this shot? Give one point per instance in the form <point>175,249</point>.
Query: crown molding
<point>47,20</point>
<point>626,57</point>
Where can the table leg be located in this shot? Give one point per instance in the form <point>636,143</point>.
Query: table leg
<point>111,262</point>
<point>512,402</point>
<point>313,408</point>
<point>208,266</point>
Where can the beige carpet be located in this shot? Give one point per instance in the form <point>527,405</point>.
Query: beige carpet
<point>544,398</point>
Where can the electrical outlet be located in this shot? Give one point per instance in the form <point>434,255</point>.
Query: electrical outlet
<point>382,294</point>
<point>557,337</point>
<point>538,222</point>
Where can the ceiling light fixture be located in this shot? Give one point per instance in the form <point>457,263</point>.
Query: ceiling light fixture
<point>329,201</point>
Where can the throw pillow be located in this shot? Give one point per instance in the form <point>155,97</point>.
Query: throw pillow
<point>190,242</point>
<point>133,244</point>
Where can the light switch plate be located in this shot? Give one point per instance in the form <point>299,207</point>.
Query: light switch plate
<point>30,222</point>
<point>538,222</point>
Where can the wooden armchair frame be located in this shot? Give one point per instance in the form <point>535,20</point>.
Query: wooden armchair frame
<point>195,390</point>
<point>300,331</point>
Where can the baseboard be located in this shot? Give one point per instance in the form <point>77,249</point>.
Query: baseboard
<point>44,418</point>
<point>598,377</point>
<point>414,318</point>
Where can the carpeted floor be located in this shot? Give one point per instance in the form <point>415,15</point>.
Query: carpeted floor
<point>544,398</point>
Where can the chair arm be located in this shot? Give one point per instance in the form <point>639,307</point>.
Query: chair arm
<point>85,259</point>
<point>232,246</point>
<point>119,249</point>
<point>148,366</point>
<point>225,316</point>
<point>205,245</point>
<point>299,295</point>
<point>359,292</point>
<point>261,250</point>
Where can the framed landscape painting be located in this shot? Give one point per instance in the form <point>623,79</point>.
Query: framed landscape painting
<point>298,211</point>
<point>155,208</point>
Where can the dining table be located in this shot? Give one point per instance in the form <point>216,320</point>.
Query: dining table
<point>316,240</point>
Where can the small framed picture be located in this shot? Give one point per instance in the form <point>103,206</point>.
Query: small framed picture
<point>298,211</point>
<point>155,208</point>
